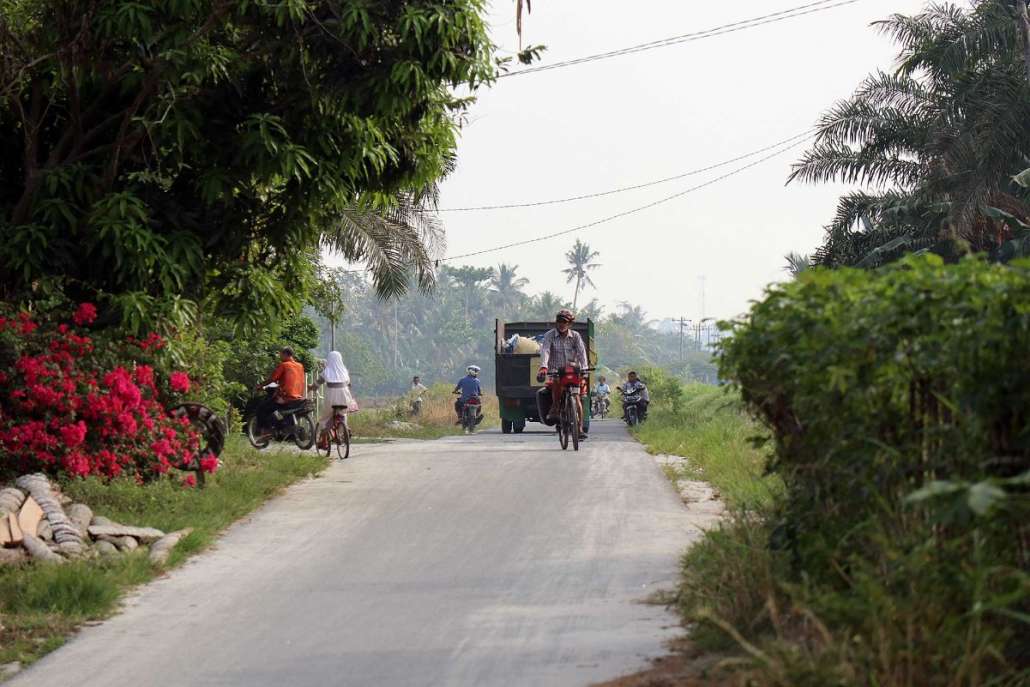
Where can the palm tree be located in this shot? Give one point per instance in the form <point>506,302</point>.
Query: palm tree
<point>796,263</point>
<point>546,305</point>
<point>579,259</point>
<point>938,140</point>
<point>507,287</point>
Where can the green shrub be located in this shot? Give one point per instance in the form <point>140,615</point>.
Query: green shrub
<point>898,405</point>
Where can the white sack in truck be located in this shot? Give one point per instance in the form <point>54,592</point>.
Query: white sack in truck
<point>524,345</point>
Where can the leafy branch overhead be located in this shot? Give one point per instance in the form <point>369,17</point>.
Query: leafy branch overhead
<point>206,149</point>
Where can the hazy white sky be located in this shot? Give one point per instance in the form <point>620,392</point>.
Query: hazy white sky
<point>637,118</point>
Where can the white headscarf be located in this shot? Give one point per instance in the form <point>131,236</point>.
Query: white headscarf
<point>335,370</point>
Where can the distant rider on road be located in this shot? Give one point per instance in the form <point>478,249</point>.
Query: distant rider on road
<point>561,347</point>
<point>468,387</point>
<point>632,385</point>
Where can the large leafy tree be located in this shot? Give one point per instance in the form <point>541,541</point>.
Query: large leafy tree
<point>935,144</point>
<point>164,154</point>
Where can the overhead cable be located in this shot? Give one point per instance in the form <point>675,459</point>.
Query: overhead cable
<point>623,189</point>
<point>610,218</point>
<point>799,11</point>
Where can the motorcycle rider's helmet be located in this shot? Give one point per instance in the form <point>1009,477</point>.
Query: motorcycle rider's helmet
<point>473,370</point>
<point>565,315</point>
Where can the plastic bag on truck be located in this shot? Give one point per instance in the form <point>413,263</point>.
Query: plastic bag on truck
<point>524,345</point>
<point>543,406</point>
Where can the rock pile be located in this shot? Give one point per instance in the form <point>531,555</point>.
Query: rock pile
<point>37,522</point>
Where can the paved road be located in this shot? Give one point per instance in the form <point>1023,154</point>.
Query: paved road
<point>484,560</point>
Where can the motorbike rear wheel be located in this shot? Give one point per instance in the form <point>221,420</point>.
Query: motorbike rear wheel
<point>631,416</point>
<point>304,432</point>
<point>254,435</point>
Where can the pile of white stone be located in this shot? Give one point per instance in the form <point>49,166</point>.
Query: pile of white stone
<point>63,530</point>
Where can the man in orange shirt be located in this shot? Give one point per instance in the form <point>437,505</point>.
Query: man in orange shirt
<point>289,375</point>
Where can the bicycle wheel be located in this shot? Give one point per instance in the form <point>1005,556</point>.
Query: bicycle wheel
<point>563,424</point>
<point>343,443</point>
<point>325,441</point>
<point>574,422</point>
<point>304,433</point>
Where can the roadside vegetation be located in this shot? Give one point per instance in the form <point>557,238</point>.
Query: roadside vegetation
<point>888,544</point>
<point>436,420</point>
<point>40,605</point>
<point>712,429</point>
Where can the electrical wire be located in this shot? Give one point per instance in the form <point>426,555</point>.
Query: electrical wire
<point>783,15</point>
<point>623,189</point>
<point>626,213</point>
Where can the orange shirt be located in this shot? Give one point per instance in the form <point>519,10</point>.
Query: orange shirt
<point>290,377</point>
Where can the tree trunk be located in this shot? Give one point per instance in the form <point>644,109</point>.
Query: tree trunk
<point>332,335</point>
<point>1023,21</point>
<point>575,297</point>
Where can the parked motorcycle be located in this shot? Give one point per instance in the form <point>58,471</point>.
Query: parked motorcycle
<point>632,411</point>
<point>291,422</point>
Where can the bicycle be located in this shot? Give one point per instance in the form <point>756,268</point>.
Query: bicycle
<point>336,434</point>
<point>568,409</point>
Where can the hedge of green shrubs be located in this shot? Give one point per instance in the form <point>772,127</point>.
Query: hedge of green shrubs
<point>898,403</point>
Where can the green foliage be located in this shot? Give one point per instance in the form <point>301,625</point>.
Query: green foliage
<point>939,140</point>
<point>203,150</point>
<point>710,428</point>
<point>897,405</point>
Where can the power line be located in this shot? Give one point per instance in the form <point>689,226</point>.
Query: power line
<point>772,18</point>
<point>610,218</point>
<point>623,189</point>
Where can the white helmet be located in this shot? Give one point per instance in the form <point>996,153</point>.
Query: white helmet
<point>473,370</point>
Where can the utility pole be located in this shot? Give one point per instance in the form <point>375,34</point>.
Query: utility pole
<point>682,323</point>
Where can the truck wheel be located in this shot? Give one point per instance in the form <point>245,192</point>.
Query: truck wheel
<point>519,426</point>
<point>506,426</point>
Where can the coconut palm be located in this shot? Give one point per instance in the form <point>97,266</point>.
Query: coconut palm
<point>579,259</point>
<point>507,287</point>
<point>938,142</point>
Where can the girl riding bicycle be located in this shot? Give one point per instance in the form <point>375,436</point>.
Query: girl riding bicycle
<point>337,392</point>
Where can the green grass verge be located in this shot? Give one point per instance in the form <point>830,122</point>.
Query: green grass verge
<point>712,431</point>
<point>41,605</point>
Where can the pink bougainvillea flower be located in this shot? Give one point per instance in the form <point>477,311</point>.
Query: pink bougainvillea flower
<point>209,463</point>
<point>85,314</point>
<point>145,375</point>
<point>189,480</point>
<point>73,435</point>
<point>179,381</point>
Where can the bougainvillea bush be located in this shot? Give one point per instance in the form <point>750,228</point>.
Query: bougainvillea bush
<point>78,403</point>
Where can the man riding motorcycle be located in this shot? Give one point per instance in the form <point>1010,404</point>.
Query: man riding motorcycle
<point>632,385</point>
<point>560,347</point>
<point>289,375</point>
<point>468,387</point>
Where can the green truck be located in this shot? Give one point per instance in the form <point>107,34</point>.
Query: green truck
<point>516,372</point>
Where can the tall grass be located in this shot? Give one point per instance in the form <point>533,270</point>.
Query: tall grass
<point>711,430</point>
<point>40,605</point>
<point>436,420</point>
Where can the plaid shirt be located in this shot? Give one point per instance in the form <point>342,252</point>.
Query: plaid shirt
<point>557,351</point>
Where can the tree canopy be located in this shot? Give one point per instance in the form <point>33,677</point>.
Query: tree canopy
<point>172,154</point>
<point>937,145</point>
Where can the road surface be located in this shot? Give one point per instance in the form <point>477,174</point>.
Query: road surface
<point>483,560</point>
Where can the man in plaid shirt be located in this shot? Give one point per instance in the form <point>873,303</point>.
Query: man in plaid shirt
<point>561,347</point>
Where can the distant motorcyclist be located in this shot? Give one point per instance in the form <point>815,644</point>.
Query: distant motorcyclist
<point>560,347</point>
<point>289,375</point>
<point>468,386</point>
<point>632,386</point>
